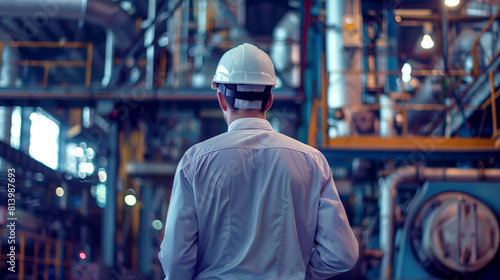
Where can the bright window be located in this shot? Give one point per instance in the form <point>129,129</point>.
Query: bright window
<point>3,121</point>
<point>44,139</point>
<point>15,129</point>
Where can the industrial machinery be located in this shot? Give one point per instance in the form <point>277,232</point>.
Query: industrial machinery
<point>449,229</point>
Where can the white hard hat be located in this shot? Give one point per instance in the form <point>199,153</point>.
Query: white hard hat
<point>245,64</point>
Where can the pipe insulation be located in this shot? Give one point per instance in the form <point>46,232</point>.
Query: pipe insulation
<point>8,62</point>
<point>35,14</point>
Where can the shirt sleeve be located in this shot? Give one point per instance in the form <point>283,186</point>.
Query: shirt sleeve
<point>179,245</point>
<point>336,246</point>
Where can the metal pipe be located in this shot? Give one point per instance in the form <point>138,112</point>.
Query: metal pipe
<point>493,104</point>
<point>8,61</point>
<point>305,22</point>
<point>389,191</point>
<point>109,213</point>
<point>149,37</point>
<point>145,233</point>
<point>109,55</point>
<point>335,55</point>
<point>107,14</point>
<point>444,31</point>
<point>138,40</point>
<point>67,9</point>
<point>150,169</point>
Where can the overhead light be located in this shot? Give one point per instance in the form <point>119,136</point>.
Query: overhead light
<point>82,255</point>
<point>427,42</point>
<point>452,3</point>
<point>130,198</point>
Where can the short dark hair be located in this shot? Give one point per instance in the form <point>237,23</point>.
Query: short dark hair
<point>230,100</point>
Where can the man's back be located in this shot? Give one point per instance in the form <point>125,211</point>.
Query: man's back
<point>257,197</point>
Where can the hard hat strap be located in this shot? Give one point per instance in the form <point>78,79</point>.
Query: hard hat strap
<point>230,90</point>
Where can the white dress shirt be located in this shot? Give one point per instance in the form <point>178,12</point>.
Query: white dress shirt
<point>251,203</point>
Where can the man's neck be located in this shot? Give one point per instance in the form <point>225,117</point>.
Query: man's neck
<point>231,117</point>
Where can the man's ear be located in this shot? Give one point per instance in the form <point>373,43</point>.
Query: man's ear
<point>269,102</point>
<point>222,101</point>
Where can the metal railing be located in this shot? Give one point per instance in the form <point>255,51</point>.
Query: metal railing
<point>47,64</point>
<point>46,254</point>
<point>477,42</point>
<point>319,114</point>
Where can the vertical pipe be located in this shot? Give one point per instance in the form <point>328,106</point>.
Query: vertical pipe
<point>163,65</point>
<point>312,137</point>
<point>324,100</point>
<point>35,255</point>
<point>386,204</point>
<point>145,237</point>
<point>493,104</point>
<point>183,43</point>
<point>388,62</point>
<point>403,109</point>
<point>58,260</point>
<point>318,73</point>
<point>201,34</point>
<point>22,243</point>
<point>46,260</point>
<point>173,26</point>
<point>392,48</point>
<point>444,31</point>
<point>1,52</point>
<point>108,58</point>
<point>334,56</point>
<point>88,73</point>
<point>241,13</point>
<point>61,234</point>
<point>386,116</point>
<point>67,260</point>
<point>306,19</point>
<point>1,254</point>
<point>46,68</point>
<point>108,221</point>
<point>149,45</point>
<point>304,94</point>
<point>84,236</point>
<point>9,57</point>
<point>25,129</point>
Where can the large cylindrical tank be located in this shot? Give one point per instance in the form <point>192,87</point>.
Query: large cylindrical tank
<point>8,67</point>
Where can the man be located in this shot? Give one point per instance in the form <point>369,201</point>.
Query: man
<point>253,203</point>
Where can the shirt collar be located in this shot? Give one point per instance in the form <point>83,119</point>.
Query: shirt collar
<point>250,123</point>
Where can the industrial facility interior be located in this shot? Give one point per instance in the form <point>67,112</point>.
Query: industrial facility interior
<point>99,100</point>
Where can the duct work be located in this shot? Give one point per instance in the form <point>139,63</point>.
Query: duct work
<point>108,14</point>
<point>285,49</point>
